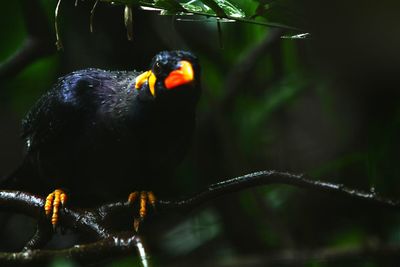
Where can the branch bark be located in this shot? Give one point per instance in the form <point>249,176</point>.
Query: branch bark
<point>87,253</point>
<point>95,222</point>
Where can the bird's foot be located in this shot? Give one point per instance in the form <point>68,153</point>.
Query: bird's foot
<point>52,206</point>
<point>145,198</point>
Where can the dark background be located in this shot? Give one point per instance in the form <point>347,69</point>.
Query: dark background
<point>327,105</point>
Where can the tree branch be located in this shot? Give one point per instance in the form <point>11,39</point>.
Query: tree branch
<point>88,253</point>
<point>275,177</point>
<point>96,222</point>
<point>38,42</point>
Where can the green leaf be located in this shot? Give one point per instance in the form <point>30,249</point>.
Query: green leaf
<point>230,9</point>
<point>170,6</point>
<point>261,9</point>
<point>221,8</point>
<point>215,7</point>
<point>289,12</point>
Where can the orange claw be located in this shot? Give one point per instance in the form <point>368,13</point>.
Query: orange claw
<point>132,197</point>
<point>49,203</point>
<point>152,198</point>
<point>52,204</point>
<point>144,199</point>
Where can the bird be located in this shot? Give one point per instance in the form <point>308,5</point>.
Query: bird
<point>98,135</point>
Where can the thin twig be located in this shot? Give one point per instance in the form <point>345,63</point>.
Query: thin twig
<point>59,44</point>
<point>92,15</point>
<point>128,21</point>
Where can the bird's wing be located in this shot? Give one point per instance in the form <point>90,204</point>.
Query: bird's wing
<point>61,111</point>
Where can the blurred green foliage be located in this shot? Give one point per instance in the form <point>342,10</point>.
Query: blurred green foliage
<point>40,75</point>
<point>307,107</point>
<point>13,30</point>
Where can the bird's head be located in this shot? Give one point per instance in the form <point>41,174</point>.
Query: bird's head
<point>171,73</point>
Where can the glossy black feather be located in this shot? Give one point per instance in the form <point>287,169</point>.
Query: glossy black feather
<point>97,136</point>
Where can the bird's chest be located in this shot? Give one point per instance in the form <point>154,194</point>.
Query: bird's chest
<point>145,149</point>
<point>112,160</point>
<point>156,146</point>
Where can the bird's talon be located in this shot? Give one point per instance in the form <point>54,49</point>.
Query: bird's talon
<point>52,205</point>
<point>152,199</point>
<point>143,202</point>
<point>136,223</point>
<point>49,203</point>
<point>132,197</point>
<point>145,198</point>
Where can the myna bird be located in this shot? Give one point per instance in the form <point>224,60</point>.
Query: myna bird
<point>101,135</point>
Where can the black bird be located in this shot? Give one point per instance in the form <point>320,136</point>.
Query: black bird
<point>102,134</point>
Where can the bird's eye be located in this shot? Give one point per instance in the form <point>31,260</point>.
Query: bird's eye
<point>157,68</point>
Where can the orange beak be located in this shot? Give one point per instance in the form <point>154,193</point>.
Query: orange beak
<point>150,78</point>
<point>181,76</point>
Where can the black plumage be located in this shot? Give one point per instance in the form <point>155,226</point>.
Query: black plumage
<point>100,138</point>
